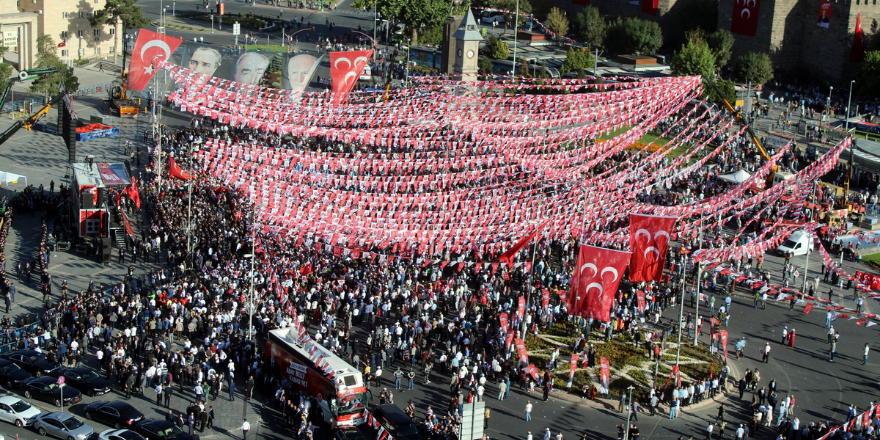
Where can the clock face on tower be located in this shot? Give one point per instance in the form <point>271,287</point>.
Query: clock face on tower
<point>470,54</point>
<point>459,53</point>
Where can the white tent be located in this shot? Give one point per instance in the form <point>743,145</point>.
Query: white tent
<point>6,178</point>
<point>737,177</point>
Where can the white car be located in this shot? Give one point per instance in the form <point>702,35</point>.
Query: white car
<point>119,434</point>
<point>17,411</point>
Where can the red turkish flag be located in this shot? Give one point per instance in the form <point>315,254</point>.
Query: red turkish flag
<point>649,242</point>
<point>650,6</point>
<point>504,322</point>
<point>175,171</point>
<point>132,191</point>
<point>345,69</point>
<point>640,301</point>
<point>521,350</point>
<point>149,48</point>
<point>507,256</point>
<point>745,17</point>
<point>857,53</point>
<point>807,308</point>
<point>595,281</point>
<point>723,337</point>
<point>305,270</point>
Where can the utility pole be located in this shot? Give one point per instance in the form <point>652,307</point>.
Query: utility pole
<point>699,274</point>
<point>515,31</point>
<point>628,413</point>
<point>681,307</point>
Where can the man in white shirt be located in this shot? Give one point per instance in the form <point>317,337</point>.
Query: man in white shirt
<point>245,427</point>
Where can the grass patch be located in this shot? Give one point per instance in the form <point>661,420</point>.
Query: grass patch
<point>698,353</point>
<point>619,354</point>
<point>534,343</point>
<point>655,138</point>
<point>640,376</point>
<point>267,48</point>
<point>564,328</point>
<point>677,151</point>
<point>696,371</point>
<point>615,133</point>
<point>619,387</point>
<point>872,260</point>
<point>539,361</point>
<point>872,136</point>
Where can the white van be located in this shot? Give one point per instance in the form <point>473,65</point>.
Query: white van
<point>796,244</point>
<point>367,74</point>
<point>781,176</point>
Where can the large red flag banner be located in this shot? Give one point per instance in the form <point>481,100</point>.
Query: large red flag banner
<point>503,320</point>
<point>148,48</point>
<point>175,170</point>
<point>649,243</point>
<point>650,6</point>
<point>824,15</point>
<point>807,308</point>
<point>507,256</point>
<point>345,69</point>
<point>595,280</point>
<point>604,374</point>
<point>521,350</point>
<point>857,54</point>
<point>723,337</point>
<point>745,17</point>
<point>640,301</point>
<point>132,191</point>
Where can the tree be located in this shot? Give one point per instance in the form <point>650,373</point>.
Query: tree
<point>115,12</point>
<point>415,14</point>
<point>721,43</point>
<point>485,65</point>
<point>727,87</point>
<point>632,35</point>
<point>589,26</point>
<point>557,22</point>
<point>525,9</point>
<point>47,57</point>
<point>754,67</point>
<point>694,58</point>
<point>5,68</point>
<point>868,76</point>
<point>496,49</point>
<point>577,60</point>
<point>693,14</point>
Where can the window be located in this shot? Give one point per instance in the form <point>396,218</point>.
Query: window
<point>64,35</point>
<point>113,31</point>
<point>63,53</point>
<point>64,15</point>
<point>97,33</point>
<point>80,34</point>
<point>97,51</point>
<point>80,14</point>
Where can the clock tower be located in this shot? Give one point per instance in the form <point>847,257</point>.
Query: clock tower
<point>467,48</point>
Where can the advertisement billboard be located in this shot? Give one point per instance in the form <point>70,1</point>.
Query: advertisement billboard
<point>824,15</point>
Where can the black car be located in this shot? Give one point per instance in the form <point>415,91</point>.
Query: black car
<point>11,375</point>
<point>116,414</point>
<point>47,389</point>
<point>396,422</point>
<point>85,380</point>
<point>153,429</point>
<point>31,361</point>
<point>349,433</point>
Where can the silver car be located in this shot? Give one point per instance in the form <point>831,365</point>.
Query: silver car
<point>17,411</point>
<point>63,425</point>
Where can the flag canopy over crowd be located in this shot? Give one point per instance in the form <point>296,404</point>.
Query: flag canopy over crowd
<point>464,174</point>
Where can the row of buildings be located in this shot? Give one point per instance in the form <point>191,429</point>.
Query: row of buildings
<point>22,21</point>
<point>813,37</point>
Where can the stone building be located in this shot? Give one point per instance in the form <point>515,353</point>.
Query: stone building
<point>68,20</point>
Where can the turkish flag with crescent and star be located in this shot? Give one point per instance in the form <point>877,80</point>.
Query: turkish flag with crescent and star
<point>149,48</point>
<point>345,69</point>
<point>745,17</point>
<point>649,242</point>
<point>595,280</point>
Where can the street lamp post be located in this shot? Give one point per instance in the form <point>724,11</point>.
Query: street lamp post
<point>699,274</point>
<point>628,413</point>
<point>529,290</point>
<point>681,307</point>
<point>848,104</point>
<point>174,8</point>
<point>515,31</point>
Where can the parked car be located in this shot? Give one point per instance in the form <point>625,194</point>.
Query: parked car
<point>85,380</point>
<point>491,17</point>
<point>153,429</point>
<point>17,411</point>
<point>119,434</point>
<point>11,375</point>
<point>63,425</point>
<point>47,389</point>
<point>399,425</point>
<point>31,361</point>
<point>116,414</point>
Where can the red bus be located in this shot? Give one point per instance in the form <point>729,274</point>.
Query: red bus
<point>338,387</point>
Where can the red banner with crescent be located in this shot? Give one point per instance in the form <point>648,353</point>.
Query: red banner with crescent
<point>807,308</point>
<point>521,350</point>
<point>533,371</point>
<point>604,372</point>
<point>595,280</point>
<point>649,243</point>
<point>640,301</point>
<point>521,307</point>
<point>503,320</point>
<point>723,338</point>
<point>745,17</point>
<point>345,69</point>
<point>545,298</point>
<point>149,48</point>
<point>868,279</point>
<point>509,339</point>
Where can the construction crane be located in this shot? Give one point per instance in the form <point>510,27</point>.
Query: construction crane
<point>24,75</point>
<point>29,122</point>
<point>741,120</point>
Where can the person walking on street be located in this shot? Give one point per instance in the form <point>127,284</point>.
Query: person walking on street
<point>867,349</point>
<point>766,354</point>
<point>502,389</point>
<point>709,430</point>
<point>245,427</point>
<point>528,410</point>
<point>833,349</point>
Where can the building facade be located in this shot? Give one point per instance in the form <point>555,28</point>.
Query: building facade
<point>68,20</point>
